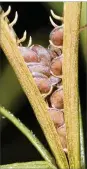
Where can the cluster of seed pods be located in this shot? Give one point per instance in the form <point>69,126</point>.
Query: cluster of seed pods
<point>45,64</point>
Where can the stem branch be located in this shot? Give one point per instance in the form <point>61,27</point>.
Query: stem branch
<point>72,12</point>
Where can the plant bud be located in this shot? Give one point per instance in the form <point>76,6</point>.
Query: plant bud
<point>56,36</point>
<point>62,133</point>
<point>56,66</point>
<point>57,116</point>
<point>28,54</point>
<point>43,54</point>
<point>43,84</point>
<point>56,99</point>
<point>38,67</point>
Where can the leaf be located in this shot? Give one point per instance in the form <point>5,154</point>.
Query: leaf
<point>28,165</point>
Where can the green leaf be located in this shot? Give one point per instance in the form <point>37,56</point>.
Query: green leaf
<point>28,165</point>
<point>29,134</point>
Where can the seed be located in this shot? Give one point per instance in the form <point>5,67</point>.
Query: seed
<point>56,36</point>
<point>43,84</point>
<point>56,99</point>
<point>28,54</point>
<point>43,54</point>
<point>38,67</point>
<point>56,66</point>
<point>57,116</point>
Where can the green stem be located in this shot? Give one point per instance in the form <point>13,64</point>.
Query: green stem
<point>28,165</point>
<point>30,136</point>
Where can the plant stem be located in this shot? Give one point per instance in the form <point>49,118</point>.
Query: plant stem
<point>29,134</point>
<point>72,12</point>
<point>28,85</point>
<point>81,141</point>
<point>28,165</point>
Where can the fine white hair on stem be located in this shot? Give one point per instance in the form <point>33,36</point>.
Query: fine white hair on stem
<point>7,12</point>
<point>30,42</point>
<point>15,20</point>
<point>56,16</point>
<point>23,38</point>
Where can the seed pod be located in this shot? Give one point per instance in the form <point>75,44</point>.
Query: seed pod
<point>54,80</point>
<point>56,36</point>
<point>43,54</point>
<point>57,116</point>
<point>54,51</point>
<point>43,84</point>
<point>56,66</point>
<point>56,99</point>
<point>62,133</point>
<point>39,75</point>
<point>28,54</point>
<point>38,67</point>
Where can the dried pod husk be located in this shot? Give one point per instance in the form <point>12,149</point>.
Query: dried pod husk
<point>55,80</point>
<point>39,75</point>
<point>56,99</point>
<point>62,133</point>
<point>57,116</point>
<point>43,84</point>
<point>54,51</point>
<point>28,54</point>
<point>43,54</point>
<point>56,36</point>
<point>56,66</point>
<point>38,67</point>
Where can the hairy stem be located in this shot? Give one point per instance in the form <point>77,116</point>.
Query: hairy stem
<point>72,12</point>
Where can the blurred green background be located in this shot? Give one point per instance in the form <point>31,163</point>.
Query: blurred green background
<point>33,17</point>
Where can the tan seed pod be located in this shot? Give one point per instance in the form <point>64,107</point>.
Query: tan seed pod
<point>56,66</point>
<point>43,84</point>
<point>38,67</point>
<point>28,54</point>
<point>56,99</point>
<point>57,116</point>
<point>39,75</point>
<point>54,80</point>
<point>56,36</point>
<point>43,54</point>
<point>54,51</point>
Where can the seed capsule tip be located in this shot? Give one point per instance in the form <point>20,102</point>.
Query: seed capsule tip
<point>15,20</point>
<point>7,12</point>
<point>23,38</point>
<point>56,16</point>
<point>52,22</point>
<point>30,42</point>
